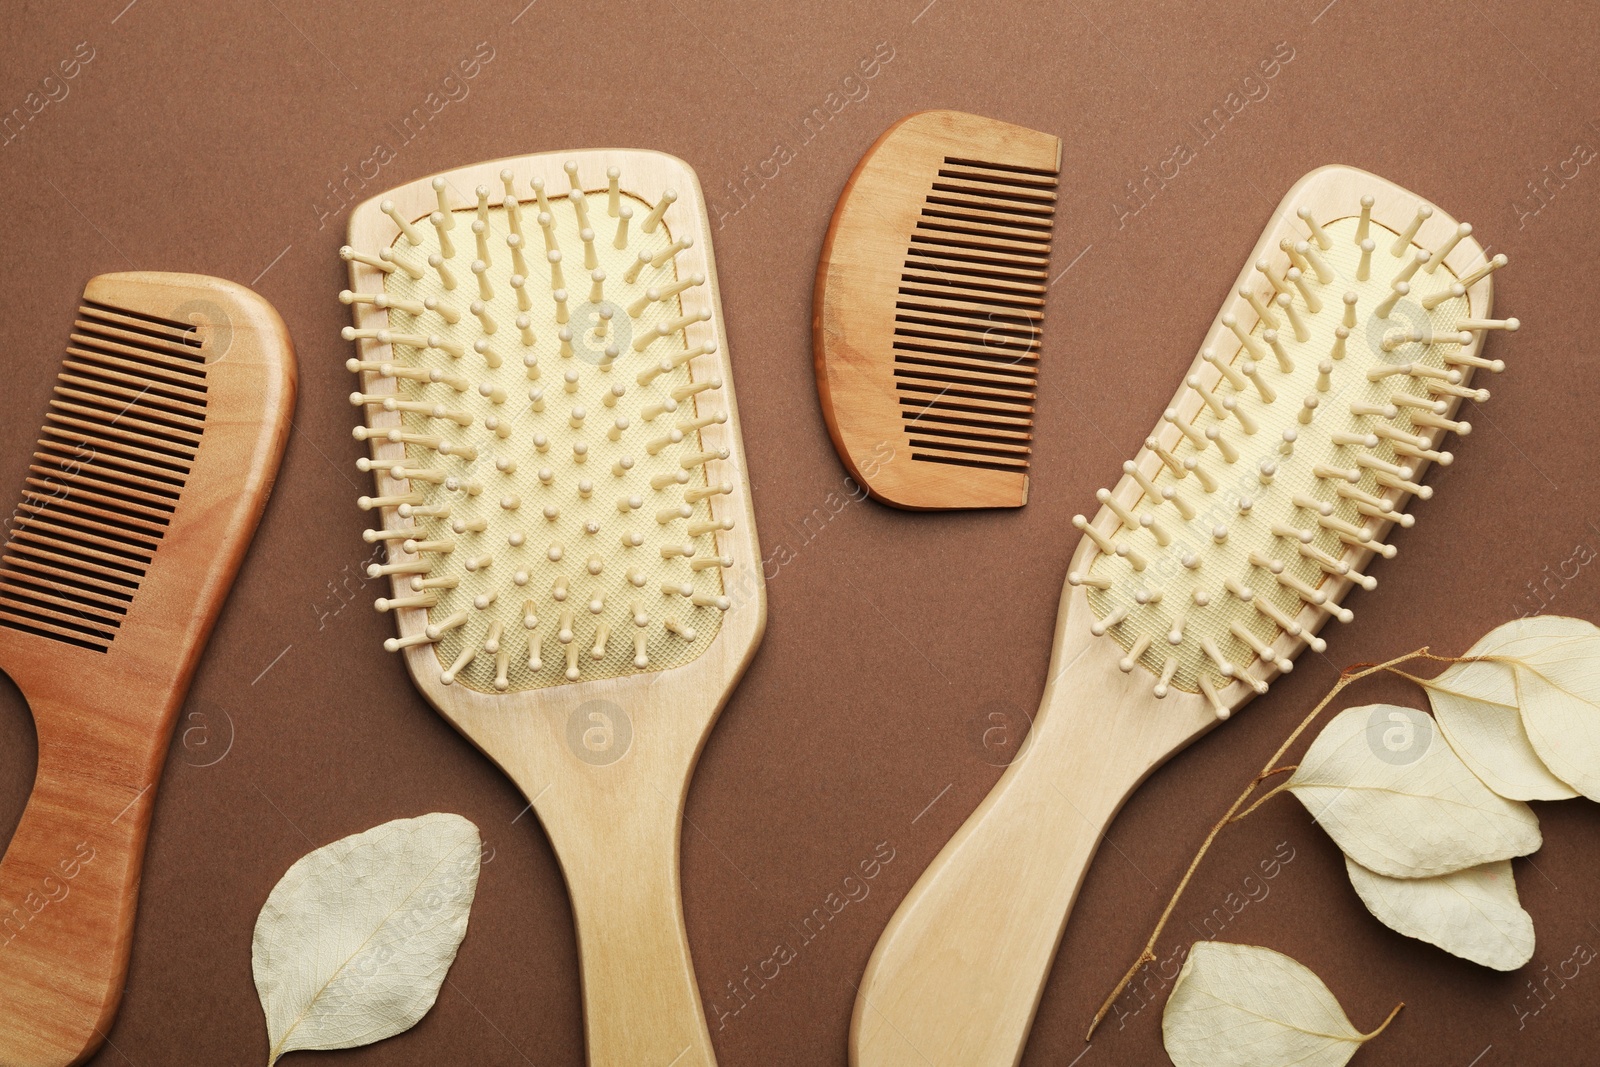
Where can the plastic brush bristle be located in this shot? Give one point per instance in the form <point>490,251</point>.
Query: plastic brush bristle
<point>546,492</point>
<point>120,437</point>
<point>1296,441</point>
<point>968,314</point>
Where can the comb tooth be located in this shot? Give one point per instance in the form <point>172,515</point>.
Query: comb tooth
<point>1247,422</point>
<point>1364,268</point>
<point>1150,488</point>
<point>1101,541</point>
<point>1076,578</point>
<point>1250,370</point>
<point>1137,650</point>
<point>1164,683</point>
<point>1484,271</point>
<point>668,197</point>
<point>613,191</point>
<point>1410,269</point>
<point>1451,389</point>
<point>1263,312</point>
<point>1302,332</point>
<point>1265,471</point>
<point>1285,364</point>
<point>1274,277</point>
<point>1509,325</point>
<point>395,644</point>
<point>1423,418</point>
<point>1313,302</point>
<point>445,274</point>
<point>1249,343</point>
<point>624,214</point>
<point>1129,519</point>
<point>1397,291</point>
<point>1297,261</point>
<point>1177,500</point>
<point>1319,266</point>
<point>1318,234</point>
<point>1215,435</point>
<point>1234,378</point>
<point>412,234</point>
<point>1462,230</point>
<point>349,255</point>
<point>442,224</point>
<point>1402,242</point>
<point>1135,559</point>
<point>1112,618</point>
<point>1261,648</point>
<point>1365,225</point>
<point>1195,467</point>
<point>661,258</point>
<point>1188,430</point>
<point>1210,398</point>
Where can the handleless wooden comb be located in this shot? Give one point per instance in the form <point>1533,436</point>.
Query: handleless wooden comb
<point>929,302</point>
<point>157,454</point>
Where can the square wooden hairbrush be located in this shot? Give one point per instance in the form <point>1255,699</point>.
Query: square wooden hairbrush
<point>158,451</point>
<point>928,307</point>
<point>546,391</point>
<point>1321,393</point>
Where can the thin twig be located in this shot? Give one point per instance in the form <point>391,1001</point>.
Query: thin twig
<point>1147,954</point>
<point>1260,800</point>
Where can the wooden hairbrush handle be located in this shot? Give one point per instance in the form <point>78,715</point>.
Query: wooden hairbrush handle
<point>614,812</point>
<point>641,1002</point>
<point>71,876</point>
<point>956,977</point>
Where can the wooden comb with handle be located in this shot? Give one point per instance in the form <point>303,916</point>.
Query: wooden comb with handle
<point>1321,393</point>
<point>158,451</point>
<point>929,302</point>
<point>577,586</point>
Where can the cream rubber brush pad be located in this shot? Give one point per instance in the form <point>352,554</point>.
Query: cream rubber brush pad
<point>1320,396</point>
<point>550,439</point>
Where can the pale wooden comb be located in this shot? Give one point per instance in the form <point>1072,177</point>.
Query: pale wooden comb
<point>929,302</point>
<point>1288,452</point>
<point>576,579</point>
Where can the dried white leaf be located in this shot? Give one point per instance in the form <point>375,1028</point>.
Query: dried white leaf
<point>1476,708</point>
<point>1401,803</point>
<point>1244,1006</point>
<point>1557,665</point>
<point>1473,913</point>
<point>354,941</point>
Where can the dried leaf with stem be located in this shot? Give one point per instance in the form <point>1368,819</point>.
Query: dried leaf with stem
<point>1246,1006</point>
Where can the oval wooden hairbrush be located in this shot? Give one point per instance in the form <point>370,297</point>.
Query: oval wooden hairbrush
<point>546,389</point>
<point>1320,395</point>
<point>158,451</point>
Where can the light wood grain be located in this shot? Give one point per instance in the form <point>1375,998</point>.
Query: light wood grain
<point>956,977</point>
<point>613,814</point>
<point>859,278</point>
<point>69,881</point>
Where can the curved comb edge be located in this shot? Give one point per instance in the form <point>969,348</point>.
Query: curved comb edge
<point>1340,188</point>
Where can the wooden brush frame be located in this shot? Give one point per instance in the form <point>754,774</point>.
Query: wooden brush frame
<point>957,975</point>
<point>614,822</point>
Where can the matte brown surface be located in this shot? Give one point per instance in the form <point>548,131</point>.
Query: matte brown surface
<point>207,142</point>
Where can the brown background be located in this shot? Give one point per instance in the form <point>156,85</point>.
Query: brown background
<point>206,141</point>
